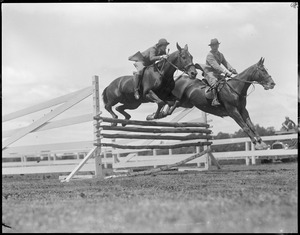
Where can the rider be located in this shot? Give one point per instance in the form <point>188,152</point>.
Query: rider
<point>288,124</point>
<point>148,57</point>
<point>214,59</point>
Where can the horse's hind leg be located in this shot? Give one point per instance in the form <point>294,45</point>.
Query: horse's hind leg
<point>121,109</point>
<point>108,107</point>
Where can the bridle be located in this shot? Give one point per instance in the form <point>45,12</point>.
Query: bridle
<point>251,82</point>
<point>252,75</point>
<point>185,68</point>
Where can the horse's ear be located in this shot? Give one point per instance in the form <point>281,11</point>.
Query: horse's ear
<point>178,47</point>
<point>198,66</point>
<point>186,47</point>
<point>260,61</point>
<point>263,60</point>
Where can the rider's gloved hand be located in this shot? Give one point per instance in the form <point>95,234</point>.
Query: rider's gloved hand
<point>234,71</point>
<point>228,74</point>
<point>163,57</point>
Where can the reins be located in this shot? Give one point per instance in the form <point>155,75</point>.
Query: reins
<point>252,83</point>
<point>236,91</point>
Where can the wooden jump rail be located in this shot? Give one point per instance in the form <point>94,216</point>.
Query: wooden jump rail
<point>151,123</point>
<point>160,137</point>
<point>183,129</point>
<point>175,125</point>
<point>163,168</point>
<point>172,146</point>
<point>155,130</point>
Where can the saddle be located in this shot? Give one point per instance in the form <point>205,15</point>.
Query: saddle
<point>208,89</point>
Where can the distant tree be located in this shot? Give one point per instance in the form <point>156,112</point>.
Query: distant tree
<point>239,134</point>
<point>261,131</point>
<point>222,135</point>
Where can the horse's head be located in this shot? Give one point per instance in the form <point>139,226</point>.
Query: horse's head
<point>184,61</point>
<point>261,75</point>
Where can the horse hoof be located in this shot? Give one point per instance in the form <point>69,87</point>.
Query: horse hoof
<point>261,146</point>
<point>258,146</point>
<point>162,114</point>
<point>150,117</point>
<point>264,145</point>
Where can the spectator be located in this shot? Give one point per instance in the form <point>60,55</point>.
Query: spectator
<point>288,124</point>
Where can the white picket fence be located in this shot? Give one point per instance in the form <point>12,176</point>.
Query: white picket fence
<point>250,152</point>
<point>132,160</point>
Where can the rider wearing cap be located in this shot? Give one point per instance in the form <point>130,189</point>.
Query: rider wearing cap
<point>214,59</point>
<point>149,56</point>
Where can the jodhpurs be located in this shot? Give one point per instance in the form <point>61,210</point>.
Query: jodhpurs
<point>139,66</point>
<point>212,78</point>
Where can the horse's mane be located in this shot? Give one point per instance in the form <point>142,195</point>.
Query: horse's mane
<point>245,71</point>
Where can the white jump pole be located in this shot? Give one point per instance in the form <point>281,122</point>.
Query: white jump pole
<point>96,111</point>
<point>209,156</point>
<point>208,162</point>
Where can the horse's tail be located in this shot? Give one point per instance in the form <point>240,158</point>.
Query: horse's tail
<point>104,96</point>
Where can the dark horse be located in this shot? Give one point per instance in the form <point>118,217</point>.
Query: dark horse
<point>232,96</point>
<point>157,84</point>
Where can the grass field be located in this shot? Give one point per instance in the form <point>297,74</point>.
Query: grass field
<point>238,198</point>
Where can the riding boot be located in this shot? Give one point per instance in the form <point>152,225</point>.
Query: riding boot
<point>136,89</point>
<point>215,101</point>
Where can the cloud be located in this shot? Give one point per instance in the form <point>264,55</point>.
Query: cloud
<point>12,76</point>
<point>20,89</point>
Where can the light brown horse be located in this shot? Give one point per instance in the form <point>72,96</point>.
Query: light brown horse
<point>157,84</point>
<point>232,96</point>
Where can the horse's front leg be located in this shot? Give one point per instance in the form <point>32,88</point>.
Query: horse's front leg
<point>169,108</point>
<point>172,103</point>
<point>173,107</point>
<point>152,97</point>
<point>246,118</point>
<point>234,113</point>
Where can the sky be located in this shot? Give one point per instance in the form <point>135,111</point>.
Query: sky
<point>52,49</point>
